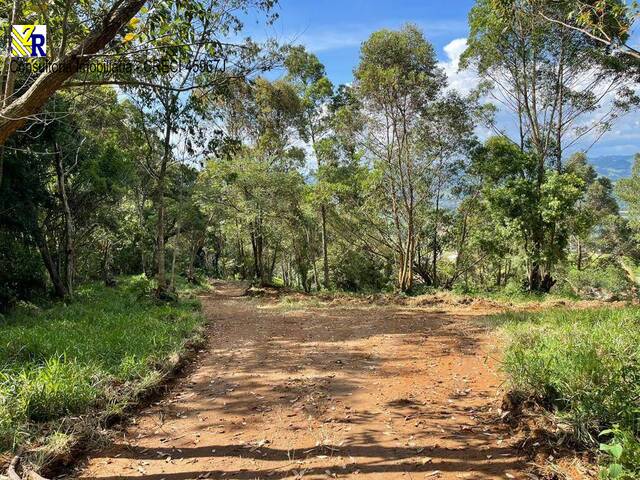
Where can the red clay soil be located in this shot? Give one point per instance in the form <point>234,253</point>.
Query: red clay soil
<point>339,391</point>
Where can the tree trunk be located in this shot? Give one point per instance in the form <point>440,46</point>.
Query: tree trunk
<point>257,245</point>
<point>173,260</point>
<point>434,260</point>
<point>160,254</point>
<point>535,278</point>
<point>109,281</point>
<point>59,288</point>
<point>141,226</point>
<point>579,266</point>
<point>538,283</point>
<point>273,264</point>
<point>69,234</point>
<point>405,274</point>
<point>325,254</point>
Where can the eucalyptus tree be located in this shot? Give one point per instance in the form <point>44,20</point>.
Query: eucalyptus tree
<point>397,79</point>
<point>550,78</point>
<point>445,140</point>
<point>309,77</point>
<point>608,23</point>
<point>191,61</point>
<point>255,175</point>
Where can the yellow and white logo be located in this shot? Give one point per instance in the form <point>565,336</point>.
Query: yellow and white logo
<point>29,41</point>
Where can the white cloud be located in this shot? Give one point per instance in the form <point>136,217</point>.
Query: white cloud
<point>461,80</point>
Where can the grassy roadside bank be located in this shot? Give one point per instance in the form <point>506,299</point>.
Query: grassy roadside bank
<point>584,366</point>
<point>93,356</point>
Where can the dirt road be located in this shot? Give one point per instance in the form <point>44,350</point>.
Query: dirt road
<point>317,391</point>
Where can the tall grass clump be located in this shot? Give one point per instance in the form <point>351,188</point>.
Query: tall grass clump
<point>585,366</point>
<point>88,355</point>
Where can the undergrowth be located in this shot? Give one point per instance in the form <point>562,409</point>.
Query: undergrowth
<point>585,366</point>
<point>94,354</point>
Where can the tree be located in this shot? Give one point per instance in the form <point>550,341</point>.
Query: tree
<point>197,67</point>
<point>108,22</point>
<point>607,22</point>
<point>396,79</point>
<point>628,189</point>
<point>446,138</point>
<point>550,77</point>
<point>594,210</point>
<point>84,30</point>
<point>254,175</point>
<point>79,172</point>
<point>539,213</point>
<point>315,89</point>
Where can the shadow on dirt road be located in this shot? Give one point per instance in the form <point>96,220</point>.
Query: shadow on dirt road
<point>340,391</point>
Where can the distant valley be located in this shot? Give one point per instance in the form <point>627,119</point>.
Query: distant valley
<point>613,166</point>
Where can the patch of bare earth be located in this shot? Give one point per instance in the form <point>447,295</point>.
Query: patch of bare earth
<point>345,390</point>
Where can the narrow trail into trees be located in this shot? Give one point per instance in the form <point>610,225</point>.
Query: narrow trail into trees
<point>350,391</point>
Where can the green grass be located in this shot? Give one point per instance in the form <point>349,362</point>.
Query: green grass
<point>91,355</point>
<point>585,366</point>
<point>513,293</point>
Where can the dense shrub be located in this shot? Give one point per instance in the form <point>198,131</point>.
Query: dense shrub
<point>21,272</point>
<point>604,279</point>
<point>357,272</point>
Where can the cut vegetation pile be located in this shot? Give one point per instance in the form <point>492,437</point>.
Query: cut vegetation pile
<point>584,365</point>
<point>95,355</point>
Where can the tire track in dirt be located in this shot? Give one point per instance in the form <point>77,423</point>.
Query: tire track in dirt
<point>347,391</point>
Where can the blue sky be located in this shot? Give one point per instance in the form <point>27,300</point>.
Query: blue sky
<point>334,30</point>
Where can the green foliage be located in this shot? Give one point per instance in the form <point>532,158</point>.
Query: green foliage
<point>604,278</point>
<point>585,364</point>
<point>140,286</point>
<point>621,455</point>
<point>70,358</point>
<point>629,191</point>
<point>355,272</point>
<point>401,62</point>
<point>21,272</point>
<point>49,390</point>
<point>538,206</point>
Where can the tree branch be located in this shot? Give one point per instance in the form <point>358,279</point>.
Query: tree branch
<point>30,102</point>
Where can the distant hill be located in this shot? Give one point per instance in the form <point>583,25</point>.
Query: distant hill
<point>613,166</point>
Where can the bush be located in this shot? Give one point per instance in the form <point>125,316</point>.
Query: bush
<point>21,274</point>
<point>583,364</point>
<point>355,272</point>
<point>140,285</point>
<point>604,279</point>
